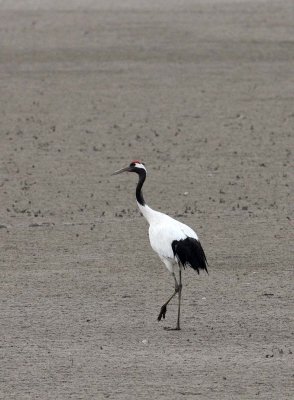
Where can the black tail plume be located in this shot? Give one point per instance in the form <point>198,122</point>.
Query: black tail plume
<point>190,252</point>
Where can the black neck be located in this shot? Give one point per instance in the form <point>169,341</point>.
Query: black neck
<point>139,193</point>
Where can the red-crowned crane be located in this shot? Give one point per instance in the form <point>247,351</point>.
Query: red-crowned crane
<point>175,243</point>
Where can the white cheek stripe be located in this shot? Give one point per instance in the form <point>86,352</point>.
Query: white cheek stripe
<point>140,166</point>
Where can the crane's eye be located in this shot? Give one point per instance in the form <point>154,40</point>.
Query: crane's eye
<point>132,164</point>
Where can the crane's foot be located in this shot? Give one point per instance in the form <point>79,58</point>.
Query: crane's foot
<point>162,313</point>
<point>177,328</point>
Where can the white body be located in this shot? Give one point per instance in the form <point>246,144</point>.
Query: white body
<point>163,230</point>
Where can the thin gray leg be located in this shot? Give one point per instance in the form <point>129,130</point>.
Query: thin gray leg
<point>179,304</point>
<point>163,308</point>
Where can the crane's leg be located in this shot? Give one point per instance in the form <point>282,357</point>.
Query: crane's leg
<point>179,304</point>
<point>177,290</point>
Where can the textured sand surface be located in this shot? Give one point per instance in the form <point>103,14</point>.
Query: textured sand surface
<point>203,93</point>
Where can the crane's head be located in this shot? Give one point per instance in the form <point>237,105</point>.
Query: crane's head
<point>135,166</point>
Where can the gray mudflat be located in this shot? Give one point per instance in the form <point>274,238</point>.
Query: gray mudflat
<point>203,93</point>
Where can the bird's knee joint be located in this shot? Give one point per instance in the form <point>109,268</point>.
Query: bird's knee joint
<point>178,287</point>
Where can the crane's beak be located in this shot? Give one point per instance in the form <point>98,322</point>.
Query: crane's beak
<point>127,169</point>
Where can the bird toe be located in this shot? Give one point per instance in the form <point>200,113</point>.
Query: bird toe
<point>162,313</point>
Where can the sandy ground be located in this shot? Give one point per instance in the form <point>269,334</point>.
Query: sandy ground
<point>203,92</point>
